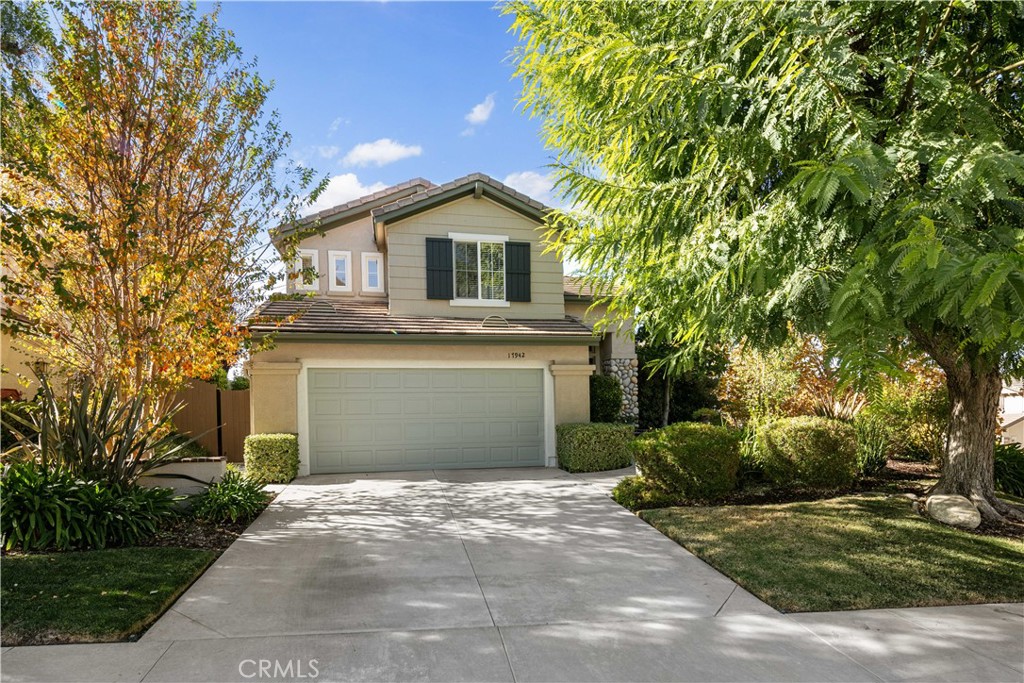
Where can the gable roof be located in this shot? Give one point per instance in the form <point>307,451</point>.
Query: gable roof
<point>360,205</point>
<point>296,318</point>
<point>474,184</point>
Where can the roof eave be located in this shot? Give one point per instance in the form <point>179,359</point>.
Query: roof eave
<point>392,338</point>
<point>477,188</point>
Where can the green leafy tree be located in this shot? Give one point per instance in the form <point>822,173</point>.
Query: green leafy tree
<point>850,169</point>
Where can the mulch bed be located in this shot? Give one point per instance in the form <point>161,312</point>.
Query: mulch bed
<point>188,532</point>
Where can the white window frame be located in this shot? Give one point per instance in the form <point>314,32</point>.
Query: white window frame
<point>379,258</point>
<point>456,237</point>
<point>332,264</point>
<point>300,284</point>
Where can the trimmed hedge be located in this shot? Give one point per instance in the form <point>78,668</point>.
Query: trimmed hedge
<point>271,458</point>
<point>810,451</point>
<point>593,447</point>
<point>689,460</point>
<point>605,399</point>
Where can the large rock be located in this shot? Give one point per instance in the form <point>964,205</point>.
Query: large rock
<point>953,510</point>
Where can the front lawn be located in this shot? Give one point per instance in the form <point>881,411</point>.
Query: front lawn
<point>851,552</point>
<point>92,596</point>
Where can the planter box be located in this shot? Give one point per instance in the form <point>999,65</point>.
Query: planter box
<point>207,470</point>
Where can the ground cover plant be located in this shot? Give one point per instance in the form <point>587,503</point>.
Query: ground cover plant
<point>96,596</point>
<point>850,552</point>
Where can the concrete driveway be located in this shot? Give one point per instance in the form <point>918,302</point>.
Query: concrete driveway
<point>528,575</point>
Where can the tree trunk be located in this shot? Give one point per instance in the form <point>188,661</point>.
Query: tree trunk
<point>967,469</point>
<point>667,401</point>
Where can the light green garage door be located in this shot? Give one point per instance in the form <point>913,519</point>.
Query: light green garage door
<point>408,419</point>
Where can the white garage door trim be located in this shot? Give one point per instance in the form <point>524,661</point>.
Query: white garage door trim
<point>550,458</point>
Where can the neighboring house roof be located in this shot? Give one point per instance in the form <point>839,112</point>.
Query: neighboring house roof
<point>319,317</point>
<point>475,184</point>
<point>1010,420</point>
<point>577,288</point>
<point>360,205</point>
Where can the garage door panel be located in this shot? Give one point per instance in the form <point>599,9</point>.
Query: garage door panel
<point>356,379</point>
<point>394,419</point>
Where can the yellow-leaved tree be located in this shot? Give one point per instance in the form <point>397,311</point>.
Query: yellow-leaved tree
<point>135,206</point>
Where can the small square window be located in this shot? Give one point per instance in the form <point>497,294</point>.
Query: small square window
<point>373,272</point>
<point>306,279</point>
<point>341,271</point>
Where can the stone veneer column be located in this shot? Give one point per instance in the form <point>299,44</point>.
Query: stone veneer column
<point>626,371</point>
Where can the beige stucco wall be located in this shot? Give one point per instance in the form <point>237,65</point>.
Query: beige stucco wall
<point>406,246</point>
<point>1014,433</point>
<point>356,237</point>
<point>273,401</point>
<point>618,342</point>
<point>15,364</point>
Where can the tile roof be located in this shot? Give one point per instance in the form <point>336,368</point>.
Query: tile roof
<point>576,288</point>
<point>375,197</point>
<point>361,317</point>
<point>468,181</point>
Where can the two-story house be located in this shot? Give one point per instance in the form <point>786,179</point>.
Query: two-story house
<point>438,333</point>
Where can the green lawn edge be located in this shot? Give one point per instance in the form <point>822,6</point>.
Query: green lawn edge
<point>102,595</point>
<point>851,552</point>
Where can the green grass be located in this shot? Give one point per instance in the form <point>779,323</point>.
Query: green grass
<point>853,552</point>
<point>92,596</point>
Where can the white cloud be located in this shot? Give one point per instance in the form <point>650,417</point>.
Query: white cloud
<point>480,113</point>
<point>335,125</point>
<point>328,151</point>
<point>380,152</point>
<point>533,184</point>
<point>340,189</point>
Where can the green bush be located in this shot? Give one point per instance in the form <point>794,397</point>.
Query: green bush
<point>42,509</point>
<point>916,415</point>
<point>97,435</point>
<point>872,444</point>
<point>1009,469</point>
<point>689,460</point>
<point>235,498</point>
<point>605,399</point>
<point>636,493</point>
<point>809,451</point>
<point>240,383</point>
<point>593,447</point>
<point>271,458</point>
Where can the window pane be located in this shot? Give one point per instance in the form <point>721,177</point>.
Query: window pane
<point>466,278</point>
<point>492,274</point>
<point>372,276</point>
<point>341,272</point>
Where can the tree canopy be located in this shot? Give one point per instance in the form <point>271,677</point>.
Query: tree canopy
<point>848,169</point>
<point>137,196</point>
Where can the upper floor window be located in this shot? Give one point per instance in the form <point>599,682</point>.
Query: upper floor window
<point>341,271</point>
<point>307,279</point>
<point>479,269</point>
<point>373,272</point>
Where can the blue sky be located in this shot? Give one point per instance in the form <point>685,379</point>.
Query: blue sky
<point>379,92</point>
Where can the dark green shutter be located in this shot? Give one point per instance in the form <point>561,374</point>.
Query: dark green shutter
<point>440,280</point>
<point>517,271</point>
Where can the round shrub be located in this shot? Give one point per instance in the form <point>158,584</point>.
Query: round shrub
<point>809,451</point>
<point>689,460</point>
<point>593,447</point>
<point>271,458</point>
<point>605,398</point>
<point>636,493</point>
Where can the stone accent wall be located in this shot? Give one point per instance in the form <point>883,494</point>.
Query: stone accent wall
<point>625,370</point>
